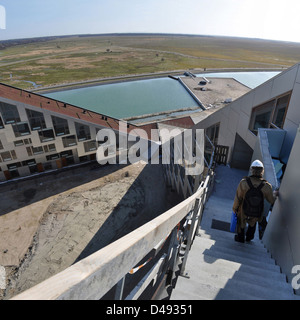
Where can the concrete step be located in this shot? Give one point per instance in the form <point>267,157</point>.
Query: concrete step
<point>200,291</point>
<point>218,254</point>
<point>227,237</point>
<point>236,248</point>
<point>237,285</point>
<point>218,209</point>
<point>215,203</point>
<point>218,233</point>
<point>213,199</point>
<point>230,269</point>
<point>206,247</point>
<point>213,208</point>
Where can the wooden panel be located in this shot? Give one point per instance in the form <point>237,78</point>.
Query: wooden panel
<point>40,167</point>
<point>221,154</point>
<point>7,175</point>
<point>58,164</point>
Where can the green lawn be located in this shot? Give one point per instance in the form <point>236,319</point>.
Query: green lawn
<point>72,59</point>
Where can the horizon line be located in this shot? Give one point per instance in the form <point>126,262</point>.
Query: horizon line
<point>144,33</point>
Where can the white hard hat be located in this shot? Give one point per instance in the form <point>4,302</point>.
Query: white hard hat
<point>257,164</point>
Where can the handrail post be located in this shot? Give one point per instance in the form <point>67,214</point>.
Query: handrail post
<point>201,208</point>
<point>172,254</point>
<point>120,289</point>
<point>189,240</point>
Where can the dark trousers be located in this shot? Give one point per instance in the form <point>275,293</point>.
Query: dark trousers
<point>249,234</point>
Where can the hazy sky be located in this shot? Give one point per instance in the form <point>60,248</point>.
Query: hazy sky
<point>267,19</point>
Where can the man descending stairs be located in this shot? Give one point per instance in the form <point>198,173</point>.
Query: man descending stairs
<point>219,268</point>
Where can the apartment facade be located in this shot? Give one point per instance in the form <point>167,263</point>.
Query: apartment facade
<point>39,134</point>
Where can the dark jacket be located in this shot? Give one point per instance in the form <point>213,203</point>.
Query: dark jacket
<point>242,188</point>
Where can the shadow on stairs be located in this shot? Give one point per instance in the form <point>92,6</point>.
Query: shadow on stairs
<point>218,268</point>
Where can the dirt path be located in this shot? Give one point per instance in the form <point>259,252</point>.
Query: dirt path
<point>72,224</point>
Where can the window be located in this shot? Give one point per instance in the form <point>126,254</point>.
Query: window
<point>13,154</point>
<point>83,159</point>
<point>34,150</point>
<point>90,146</point>
<point>29,151</point>
<point>19,143</point>
<point>47,166</point>
<point>13,169</point>
<point>46,135</point>
<point>6,156</point>
<point>261,116</point>
<point>9,113</point>
<point>280,111</point>
<point>61,126</point>
<point>66,154</point>
<point>52,157</point>
<point>51,147</point>
<point>30,162</point>
<point>270,114</point>
<point>211,139</point>
<point>21,129</point>
<point>67,157</point>
<point>31,165</point>
<point>22,142</point>
<point>213,133</point>
<point>69,141</point>
<point>1,124</point>
<point>14,165</point>
<point>36,120</point>
<point>37,150</point>
<point>82,131</point>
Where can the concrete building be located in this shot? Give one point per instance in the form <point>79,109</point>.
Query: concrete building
<point>264,124</point>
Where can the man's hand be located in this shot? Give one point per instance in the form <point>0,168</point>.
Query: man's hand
<point>275,193</point>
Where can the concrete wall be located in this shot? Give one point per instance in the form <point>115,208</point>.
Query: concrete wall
<point>235,117</point>
<point>282,236</point>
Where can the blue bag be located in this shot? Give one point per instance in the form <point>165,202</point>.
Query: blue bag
<point>233,222</point>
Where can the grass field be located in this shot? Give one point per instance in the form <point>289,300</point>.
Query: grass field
<point>72,59</point>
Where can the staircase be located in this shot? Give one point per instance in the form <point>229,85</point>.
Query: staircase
<point>218,268</point>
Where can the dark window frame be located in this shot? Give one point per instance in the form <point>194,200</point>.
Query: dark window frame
<point>36,119</point>
<point>72,141</point>
<point>83,131</point>
<point>46,138</point>
<point>60,126</point>
<point>90,146</point>
<point>270,107</point>
<point>19,132</point>
<point>10,113</point>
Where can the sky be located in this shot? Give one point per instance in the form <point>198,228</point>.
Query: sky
<point>265,19</point>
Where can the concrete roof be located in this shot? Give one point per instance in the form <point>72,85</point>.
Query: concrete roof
<point>217,90</point>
